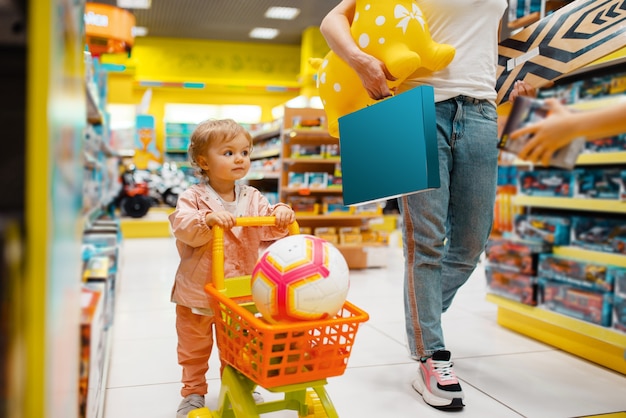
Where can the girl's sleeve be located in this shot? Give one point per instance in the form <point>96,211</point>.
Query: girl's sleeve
<point>188,221</point>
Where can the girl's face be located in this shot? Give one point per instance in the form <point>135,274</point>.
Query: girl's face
<point>227,161</point>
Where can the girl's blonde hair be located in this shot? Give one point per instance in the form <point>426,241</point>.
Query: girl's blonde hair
<point>212,132</point>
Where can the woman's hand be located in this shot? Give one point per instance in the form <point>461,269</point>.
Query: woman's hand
<point>548,135</point>
<point>374,75</point>
<point>522,88</point>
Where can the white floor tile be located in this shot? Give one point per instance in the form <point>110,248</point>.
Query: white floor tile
<point>546,384</point>
<point>503,373</point>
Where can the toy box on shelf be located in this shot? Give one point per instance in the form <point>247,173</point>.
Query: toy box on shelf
<point>575,301</point>
<point>605,234</point>
<point>515,255</point>
<point>594,183</point>
<point>512,285</point>
<point>585,274</point>
<point>512,268</point>
<point>553,230</point>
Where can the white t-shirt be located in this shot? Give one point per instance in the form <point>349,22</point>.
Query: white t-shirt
<point>471,27</point>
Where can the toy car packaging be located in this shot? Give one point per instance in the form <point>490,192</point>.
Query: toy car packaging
<point>575,301</point>
<point>549,182</point>
<point>583,274</point>
<point>598,183</point>
<point>554,230</point>
<point>598,234</point>
<point>512,285</point>
<point>515,255</point>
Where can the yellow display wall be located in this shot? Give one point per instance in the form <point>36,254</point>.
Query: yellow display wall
<point>265,75</point>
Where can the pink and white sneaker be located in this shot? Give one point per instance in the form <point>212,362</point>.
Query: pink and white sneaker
<point>438,384</point>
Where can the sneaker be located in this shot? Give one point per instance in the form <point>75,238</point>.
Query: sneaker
<point>258,398</point>
<point>188,404</point>
<point>437,383</point>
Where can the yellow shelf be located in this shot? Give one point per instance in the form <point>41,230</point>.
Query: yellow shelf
<point>601,345</point>
<point>601,205</point>
<point>602,158</point>
<point>154,225</point>
<point>596,256</point>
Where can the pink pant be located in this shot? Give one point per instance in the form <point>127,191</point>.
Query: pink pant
<point>195,342</point>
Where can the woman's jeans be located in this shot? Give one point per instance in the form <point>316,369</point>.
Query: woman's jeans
<point>445,229</point>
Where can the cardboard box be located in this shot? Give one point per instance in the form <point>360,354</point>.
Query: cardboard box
<point>361,257</point>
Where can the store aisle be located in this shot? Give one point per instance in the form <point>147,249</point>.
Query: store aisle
<point>503,374</point>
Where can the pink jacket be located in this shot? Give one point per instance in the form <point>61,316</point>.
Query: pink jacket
<point>194,240</point>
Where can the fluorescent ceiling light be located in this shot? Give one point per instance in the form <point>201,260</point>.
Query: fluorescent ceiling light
<point>264,33</point>
<point>285,13</point>
<point>134,4</point>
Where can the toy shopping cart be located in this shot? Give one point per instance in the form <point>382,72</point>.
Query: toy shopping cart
<point>290,358</point>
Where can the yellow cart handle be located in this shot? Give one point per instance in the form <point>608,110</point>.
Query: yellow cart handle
<point>218,243</point>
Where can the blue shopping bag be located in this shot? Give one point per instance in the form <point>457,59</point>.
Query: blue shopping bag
<point>389,149</point>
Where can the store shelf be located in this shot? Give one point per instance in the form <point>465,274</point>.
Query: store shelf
<point>311,160</point>
<point>262,176</point>
<point>597,158</point>
<point>601,345</point>
<point>265,154</point>
<point>311,134</point>
<point>597,205</point>
<point>307,192</point>
<point>154,224</point>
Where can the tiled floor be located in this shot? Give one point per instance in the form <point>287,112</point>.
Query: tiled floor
<point>503,374</point>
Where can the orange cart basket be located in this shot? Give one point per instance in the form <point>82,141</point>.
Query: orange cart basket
<point>273,355</point>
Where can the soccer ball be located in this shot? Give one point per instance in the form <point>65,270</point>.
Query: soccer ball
<point>300,277</point>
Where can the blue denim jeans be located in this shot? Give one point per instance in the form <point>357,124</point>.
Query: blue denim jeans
<point>445,229</point>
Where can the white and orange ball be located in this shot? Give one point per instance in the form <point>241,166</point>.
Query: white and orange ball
<point>298,278</point>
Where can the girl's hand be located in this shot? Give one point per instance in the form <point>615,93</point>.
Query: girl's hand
<point>223,218</point>
<point>284,216</point>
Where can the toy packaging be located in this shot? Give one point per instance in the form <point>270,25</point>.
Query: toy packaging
<point>298,180</point>
<point>303,205</point>
<point>515,255</point>
<point>545,50</point>
<point>317,180</point>
<point>584,274</point>
<point>548,182</point>
<point>609,144</point>
<point>598,234</point>
<point>308,151</point>
<point>575,301</point>
<point>619,313</point>
<point>333,205</point>
<point>512,285</point>
<point>554,230</point>
<point>619,281</point>
<point>526,111</point>
<point>599,183</point>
